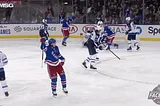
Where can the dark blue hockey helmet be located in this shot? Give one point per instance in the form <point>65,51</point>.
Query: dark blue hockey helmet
<point>63,15</point>
<point>52,40</point>
<point>106,28</point>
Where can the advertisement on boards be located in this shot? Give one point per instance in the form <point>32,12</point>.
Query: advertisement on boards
<point>143,31</point>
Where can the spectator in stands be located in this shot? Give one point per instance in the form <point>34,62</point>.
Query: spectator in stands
<point>4,20</point>
<point>48,14</point>
<point>112,11</point>
<point>158,15</point>
<point>8,13</point>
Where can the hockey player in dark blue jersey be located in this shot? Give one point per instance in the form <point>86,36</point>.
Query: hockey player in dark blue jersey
<point>43,32</point>
<point>55,62</point>
<point>66,21</point>
<point>108,37</point>
<point>131,32</point>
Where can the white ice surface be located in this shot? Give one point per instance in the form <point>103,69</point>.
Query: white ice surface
<point>124,82</point>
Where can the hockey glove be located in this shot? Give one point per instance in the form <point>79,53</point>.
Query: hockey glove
<point>42,40</point>
<point>61,63</point>
<point>126,32</point>
<point>100,48</point>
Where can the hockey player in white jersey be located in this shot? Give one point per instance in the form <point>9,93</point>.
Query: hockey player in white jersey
<point>98,31</point>
<point>3,62</point>
<point>92,46</point>
<point>131,32</point>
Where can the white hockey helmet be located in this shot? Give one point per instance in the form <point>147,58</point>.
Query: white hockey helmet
<point>100,23</point>
<point>128,18</point>
<point>44,21</point>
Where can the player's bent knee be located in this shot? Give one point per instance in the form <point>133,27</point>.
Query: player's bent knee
<point>2,76</point>
<point>54,79</point>
<point>63,76</point>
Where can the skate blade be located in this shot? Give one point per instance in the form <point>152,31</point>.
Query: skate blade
<point>84,67</point>
<point>129,50</point>
<point>94,70</point>
<point>138,49</point>
<point>55,96</point>
<point>97,62</point>
<point>65,93</point>
<point>88,69</point>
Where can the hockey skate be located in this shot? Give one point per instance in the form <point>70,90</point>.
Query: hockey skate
<point>65,90</point>
<point>116,45</point>
<point>54,94</point>
<point>84,64</point>
<point>91,67</point>
<point>64,43</point>
<point>138,48</point>
<point>129,49</point>
<point>6,94</point>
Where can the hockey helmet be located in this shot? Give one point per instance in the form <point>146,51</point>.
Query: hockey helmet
<point>128,18</point>
<point>51,41</point>
<point>44,21</point>
<point>63,15</point>
<point>100,23</point>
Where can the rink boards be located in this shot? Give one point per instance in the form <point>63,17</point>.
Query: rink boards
<point>144,32</point>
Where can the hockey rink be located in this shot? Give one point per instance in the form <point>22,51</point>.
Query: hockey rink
<point>124,82</point>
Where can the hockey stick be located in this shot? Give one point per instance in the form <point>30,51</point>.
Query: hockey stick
<point>114,53</point>
<point>111,51</point>
<point>42,59</point>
